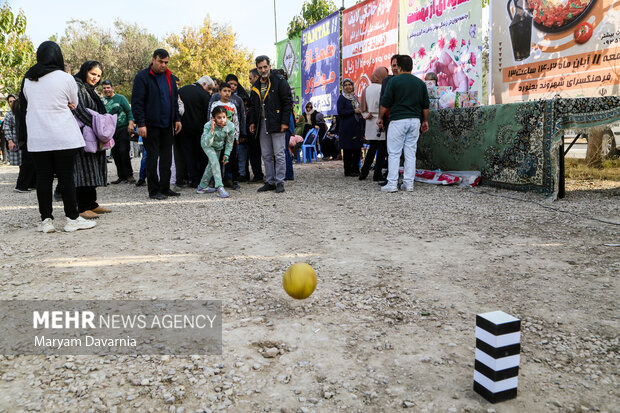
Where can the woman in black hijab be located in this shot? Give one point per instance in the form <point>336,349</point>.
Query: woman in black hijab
<point>91,169</point>
<point>48,128</point>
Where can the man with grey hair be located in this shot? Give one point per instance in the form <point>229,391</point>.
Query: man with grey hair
<point>271,104</point>
<point>196,98</point>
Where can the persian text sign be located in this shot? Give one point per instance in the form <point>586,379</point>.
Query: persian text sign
<point>546,49</point>
<point>320,71</point>
<point>444,37</point>
<point>369,39</point>
<point>289,59</point>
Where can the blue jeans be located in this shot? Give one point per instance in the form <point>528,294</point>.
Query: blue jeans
<point>143,164</point>
<point>402,134</point>
<point>242,158</point>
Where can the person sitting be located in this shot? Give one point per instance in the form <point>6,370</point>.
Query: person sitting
<point>329,143</point>
<point>313,119</point>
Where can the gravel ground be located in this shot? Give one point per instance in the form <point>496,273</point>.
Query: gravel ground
<point>390,326</point>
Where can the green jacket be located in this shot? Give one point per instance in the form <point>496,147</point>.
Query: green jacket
<point>119,105</point>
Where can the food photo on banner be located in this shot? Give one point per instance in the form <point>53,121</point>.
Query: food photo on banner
<point>446,40</point>
<point>289,59</point>
<point>547,48</point>
<point>320,64</point>
<point>369,39</point>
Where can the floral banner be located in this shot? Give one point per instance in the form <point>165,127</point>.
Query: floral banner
<point>444,37</point>
<point>542,49</point>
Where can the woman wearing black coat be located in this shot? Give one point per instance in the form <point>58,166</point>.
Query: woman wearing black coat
<point>350,132</point>
<point>90,169</point>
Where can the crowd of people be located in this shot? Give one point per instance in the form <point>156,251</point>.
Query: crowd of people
<point>210,135</point>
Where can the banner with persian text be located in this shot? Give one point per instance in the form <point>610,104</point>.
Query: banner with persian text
<point>369,39</point>
<point>543,49</point>
<point>289,59</point>
<point>320,65</point>
<point>444,37</point>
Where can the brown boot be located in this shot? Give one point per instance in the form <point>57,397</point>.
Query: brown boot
<point>101,210</point>
<point>89,214</point>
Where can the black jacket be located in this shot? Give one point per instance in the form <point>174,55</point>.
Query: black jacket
<point>146,102</point>
<point>196,101</point>
<point>278,104</point>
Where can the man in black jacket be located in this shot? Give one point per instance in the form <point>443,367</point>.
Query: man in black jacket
<point>155,107</point>
<point>271,103</point>
<point>196,98</point>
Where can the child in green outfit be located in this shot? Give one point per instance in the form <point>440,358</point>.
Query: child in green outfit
<point>217,135</point>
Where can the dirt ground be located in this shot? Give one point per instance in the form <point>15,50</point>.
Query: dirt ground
<point>390,326</point>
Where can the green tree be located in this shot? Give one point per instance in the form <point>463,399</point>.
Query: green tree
<point>211,50</point>
<point>122,52</point>
<point>134,50</point>
<point>16,50</point>
<point>312,12</point>
<point>86,40</point>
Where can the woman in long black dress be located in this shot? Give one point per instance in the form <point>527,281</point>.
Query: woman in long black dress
<point>91,169</point>
<point>350,133</point>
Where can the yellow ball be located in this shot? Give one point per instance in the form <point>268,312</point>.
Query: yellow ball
<point>299,281</point>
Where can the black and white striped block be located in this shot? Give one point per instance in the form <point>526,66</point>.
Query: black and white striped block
<point>498,347</point>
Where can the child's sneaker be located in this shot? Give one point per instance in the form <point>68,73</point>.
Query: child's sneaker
<point>221,192</point>
<point>78,223</point>
<point>208,190</point>
<point>46,226</point>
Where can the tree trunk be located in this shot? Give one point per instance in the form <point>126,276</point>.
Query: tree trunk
<point>593,154</point>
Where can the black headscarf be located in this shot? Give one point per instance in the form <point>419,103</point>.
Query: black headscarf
<point>49,59</point>
<point>81,75</point>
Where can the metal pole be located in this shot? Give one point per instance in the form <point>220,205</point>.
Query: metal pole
<point>275,22</point>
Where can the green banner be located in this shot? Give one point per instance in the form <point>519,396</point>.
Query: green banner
<point>289,59</point>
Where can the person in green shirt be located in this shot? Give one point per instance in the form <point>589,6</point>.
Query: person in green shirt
<point>218,135</point>
<point>406,96</point>
<point>125,127</point>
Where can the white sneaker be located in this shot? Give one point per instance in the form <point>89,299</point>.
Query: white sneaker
<point>78,223</point>
<point>405,187</point>
<point>46,226</point>
<point>389,188</point>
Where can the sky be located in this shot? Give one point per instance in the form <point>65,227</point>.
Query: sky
<point>253,21</point>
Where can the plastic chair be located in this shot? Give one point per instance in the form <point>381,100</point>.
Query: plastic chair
<point>308,148</point>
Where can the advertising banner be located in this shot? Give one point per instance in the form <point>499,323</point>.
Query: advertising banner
<point>444,37</point>
<point>543,49</point>
<point>369,39</point>
<point>320,65</point>
<point>289,59</point>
